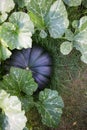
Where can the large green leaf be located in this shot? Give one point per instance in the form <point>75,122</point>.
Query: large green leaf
<point>73,2</point>
<point>57,21</point>
<point>48,15</point>
<point>19,82</point>
<point>80,38</point>
<point>38,9</point>
<point>6,6</point>
<point>22,3</point>
<point>50,107</point>
<point>18,31</point>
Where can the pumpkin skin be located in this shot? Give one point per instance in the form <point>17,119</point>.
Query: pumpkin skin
<point>34,59</point>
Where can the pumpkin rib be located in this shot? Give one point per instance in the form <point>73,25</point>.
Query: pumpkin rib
<point>39,53</point>
<point>25,52</point>
<point>38,79</point>
<point>40,62</point>
<point>44,69</point>
<point>15,58</point>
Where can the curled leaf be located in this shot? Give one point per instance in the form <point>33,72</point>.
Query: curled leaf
<point>43,34</point>
<point>66,47</point>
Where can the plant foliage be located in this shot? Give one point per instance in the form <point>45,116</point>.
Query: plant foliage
<point>78,40</point>
<point>14,117</point>
<point>50,106</point>
<point>16,33</point>
<point>50,103</point>
<point>25,21</point>
<point>44,14</point>
<point>19,80</point>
